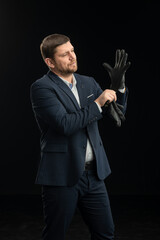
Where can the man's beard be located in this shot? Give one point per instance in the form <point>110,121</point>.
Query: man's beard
<point>68,70</point>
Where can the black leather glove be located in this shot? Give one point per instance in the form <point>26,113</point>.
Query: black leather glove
<point>117,74</point>
<point>115,112</point>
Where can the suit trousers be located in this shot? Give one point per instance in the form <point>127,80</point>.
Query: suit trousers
<point>90,196</point>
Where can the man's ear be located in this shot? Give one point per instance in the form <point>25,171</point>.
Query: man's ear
<point>49,62</point>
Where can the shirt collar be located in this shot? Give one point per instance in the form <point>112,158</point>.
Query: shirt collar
<point>70,85</point>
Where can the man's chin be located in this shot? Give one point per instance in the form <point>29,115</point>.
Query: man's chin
<point>73,69</point>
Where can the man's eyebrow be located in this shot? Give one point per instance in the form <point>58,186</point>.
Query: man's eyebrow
<point>67,51</point>
<point>62,53</point>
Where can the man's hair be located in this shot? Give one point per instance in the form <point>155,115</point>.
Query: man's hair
<point>50,43</point>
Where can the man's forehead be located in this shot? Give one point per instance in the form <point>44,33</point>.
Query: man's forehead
<point>64,47</point>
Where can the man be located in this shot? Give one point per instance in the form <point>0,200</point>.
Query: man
<point>73,162</point>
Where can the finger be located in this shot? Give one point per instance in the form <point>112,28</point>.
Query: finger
<point>122,58</point>
<point>110,99</point>
<point>113,95</point>
<point>107,67</point>
<point>117,59</point>
<point>107,103</point>
<point>126,66</point>
<point>113,98</point>
<point>109,96</point>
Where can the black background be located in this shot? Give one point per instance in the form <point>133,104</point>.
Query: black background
<point>96,29</point>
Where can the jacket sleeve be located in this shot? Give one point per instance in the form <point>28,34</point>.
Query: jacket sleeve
<point>122,100</point>
<point>49,108</point>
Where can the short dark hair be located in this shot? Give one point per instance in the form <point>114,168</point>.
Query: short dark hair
<point>50,43</point>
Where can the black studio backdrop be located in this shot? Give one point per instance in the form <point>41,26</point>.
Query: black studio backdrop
<point>96,30</point>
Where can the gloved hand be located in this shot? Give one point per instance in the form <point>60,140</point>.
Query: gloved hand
<point>115,112</point>
<point>117,74</point>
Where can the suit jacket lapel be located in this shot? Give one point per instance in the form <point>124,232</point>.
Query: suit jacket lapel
<point>63,87</point>
<point>81,90</point>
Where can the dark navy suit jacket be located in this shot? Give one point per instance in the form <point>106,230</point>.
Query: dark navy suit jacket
<point>65,127</point>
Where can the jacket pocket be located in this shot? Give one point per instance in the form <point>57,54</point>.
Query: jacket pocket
<point>55,148</point>
<point>90,98</point>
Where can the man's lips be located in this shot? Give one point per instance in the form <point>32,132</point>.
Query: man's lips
<point>73,63</point>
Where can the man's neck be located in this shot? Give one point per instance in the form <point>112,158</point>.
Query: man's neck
<point>67,77</point>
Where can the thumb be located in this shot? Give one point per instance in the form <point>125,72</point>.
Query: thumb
<point>107,67</point>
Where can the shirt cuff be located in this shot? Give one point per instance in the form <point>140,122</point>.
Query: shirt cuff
<point>122,90</point>
<point>100,109</point>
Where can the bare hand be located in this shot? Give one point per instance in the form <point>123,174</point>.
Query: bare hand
<point>107,95</point>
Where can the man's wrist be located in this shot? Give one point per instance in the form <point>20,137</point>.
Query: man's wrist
<point>99,107</point>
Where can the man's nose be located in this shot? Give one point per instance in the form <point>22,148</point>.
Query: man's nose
<point>71,55</point>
